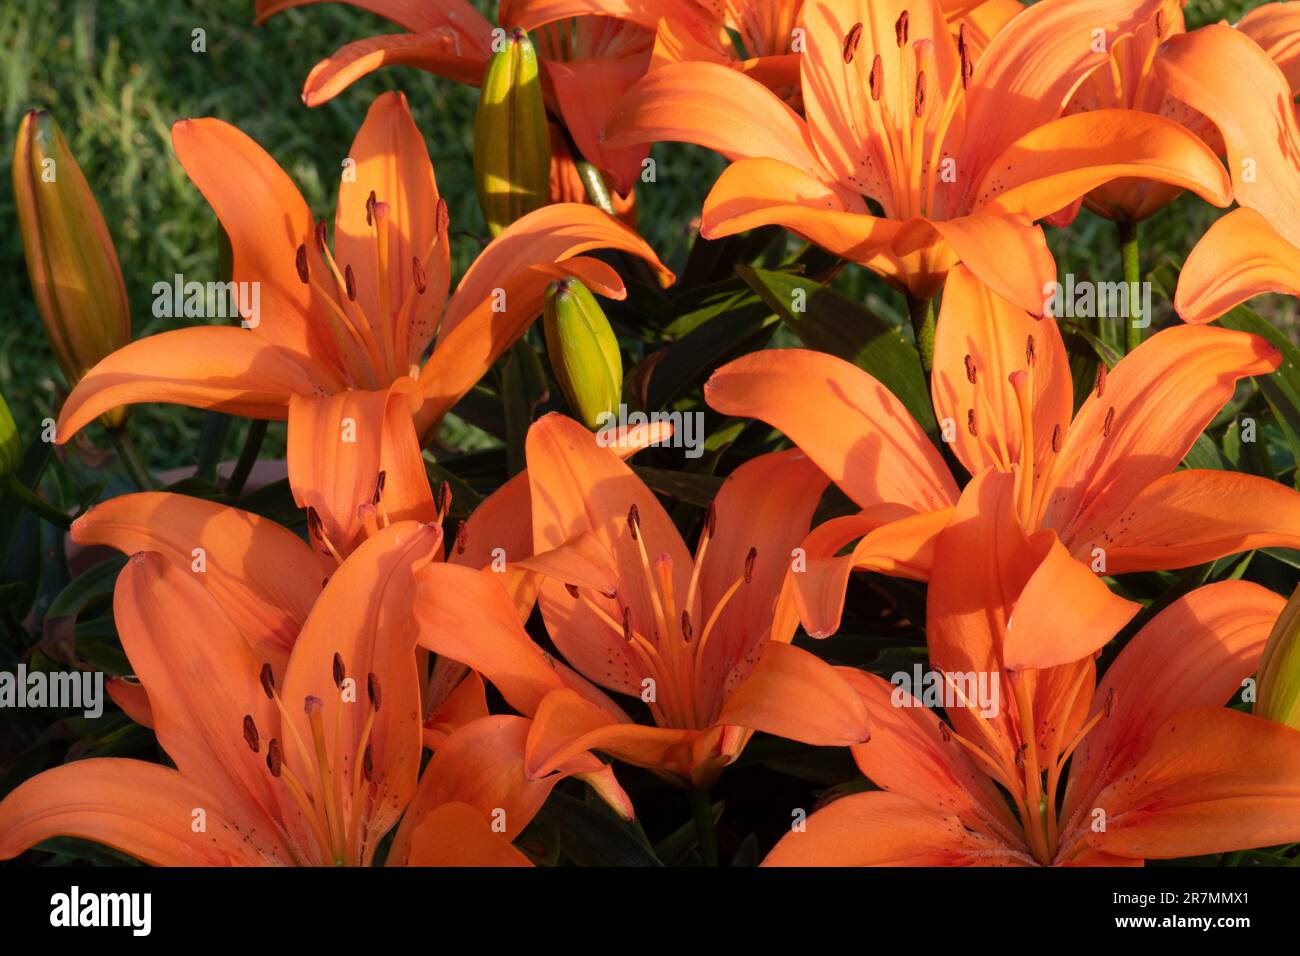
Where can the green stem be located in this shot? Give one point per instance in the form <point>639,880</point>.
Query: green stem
<point>36,504</point>
<point>921,312</point>
<point>1130,253</point>
<point>130,458</point>
<point>247,457</point>
<point>702,807</point>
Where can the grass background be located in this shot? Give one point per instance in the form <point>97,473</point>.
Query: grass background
<point>117,73</point>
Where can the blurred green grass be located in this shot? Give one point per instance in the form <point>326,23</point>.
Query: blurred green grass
<point>117,73</point>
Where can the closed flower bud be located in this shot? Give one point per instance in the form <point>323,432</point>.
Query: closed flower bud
<point>512,145</point>
<point>583,351</point>
<point>11,451</point>
<point>1278,692</point>
<point>74,272</point>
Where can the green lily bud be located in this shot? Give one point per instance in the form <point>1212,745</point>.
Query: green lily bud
<point>74,272</point>
<point>512,145</point>
<point>1278,690</point>
<point>11,449</point>
<point>583,351</point>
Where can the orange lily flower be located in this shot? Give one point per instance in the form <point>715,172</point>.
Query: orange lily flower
<point>960,156</point>
<point>1103,487</point>
<point>591,51</point>
<point>311,769</point>
<point>1254,249</point>
<point>341,335</point>
<point>633,613</point>
<point>1158,768</point>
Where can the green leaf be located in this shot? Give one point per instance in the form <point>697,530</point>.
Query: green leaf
<point>835,324</point>
<point>524,387</point>
<point>721,322</point>
<point>695,489</point>
<point>592,836</point>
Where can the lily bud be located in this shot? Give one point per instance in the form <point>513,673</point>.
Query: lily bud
<point>11,449</point>
<point>583,351</point>
<point>1278,691</point>
<point>74,271</point>
<point>512,145</point>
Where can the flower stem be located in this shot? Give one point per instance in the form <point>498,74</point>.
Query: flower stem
<point>702,807</point>
<point>247,457</point>
<point>1130,254</point>
<point>921,312</point>
<point>130,458</point>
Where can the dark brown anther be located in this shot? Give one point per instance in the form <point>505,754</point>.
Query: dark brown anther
<point>462,537</point>
<point>311,704</point>
<point>876,80</point>
<point>268,681</point>
<point>380,481</point>
<point>1030,355</point>
<point>970,423</point>
<point>944,732</point>
<point>749,564</point>
<point>300,263</point>
<point>274,757</point>
<point>1020,756</point>
<point>627,624</point>
<point>1110,420</point>
<point>1110,701</point>
<point>417,276</point>
<point>250,734</point>
<point>900,29</point>
<point>368,762</point>
<point>573,590</point>
<point>711,520</point>
<point>1056,439</point>
<point>370,208</point>
<point>339,673</point>
<point>444,498</point>
<point>372,688</point>
<point>686,625</point>
<point>633,521</point>
<point>350,283</point>
<point>1101,380</point>
<point>851,42</point>
<point>970,370</point>
<point>1160,24</point>
<point>963,52</point>
<point>322,231</point>
<point>919,102</point>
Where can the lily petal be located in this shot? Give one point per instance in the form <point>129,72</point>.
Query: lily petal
<point>984,337</point>
<point>1152,406</point>
<point>1193,516</point>
<point>224,369</point>
<point>1239,257</point>
<point>456,834</point>
<point>885,829</point>
<point>793,694</point>
<point>142,809</point>
<point>263,575</point>
<point>1214,780</point>
<point>851,426</point>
